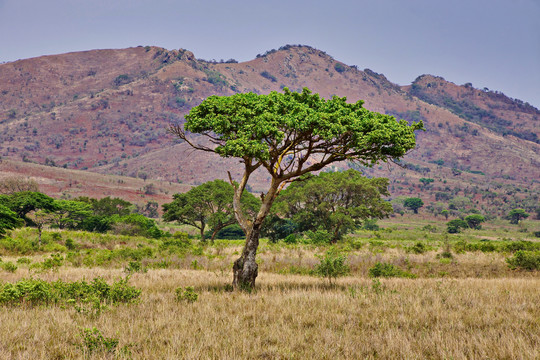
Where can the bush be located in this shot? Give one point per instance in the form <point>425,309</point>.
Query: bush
<point>267,75</point>
<point>331,265</point>
<point>319,237</point>
<point>527,260</point>
<point>290,239</point>
<point>95,342</point>
<point>389,270</point>
<point>418,248</point>
<point>371,224</point>
<point>8,266</point>
<point>231,232</point>
<point>39,292</point>
<point>188,294</point>
<point>339,67</point>
<point>455,226</point>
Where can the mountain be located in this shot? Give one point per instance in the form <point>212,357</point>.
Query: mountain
<point>107,111</point>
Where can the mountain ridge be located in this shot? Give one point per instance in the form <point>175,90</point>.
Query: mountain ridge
<point>107,111</point>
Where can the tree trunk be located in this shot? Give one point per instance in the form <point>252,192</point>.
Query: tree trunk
<point>245,268</point>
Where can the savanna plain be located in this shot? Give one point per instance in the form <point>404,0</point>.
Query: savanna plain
<point>411,291</point>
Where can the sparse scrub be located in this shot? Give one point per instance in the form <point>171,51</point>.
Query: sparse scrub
<point>389,270</point>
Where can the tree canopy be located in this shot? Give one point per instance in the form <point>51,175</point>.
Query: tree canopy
<point>8,220</point>
<point>516,215</point>
<point>336,202</point>
<point>413,203</point>
<point>289,134</point>
<point>208,204</point>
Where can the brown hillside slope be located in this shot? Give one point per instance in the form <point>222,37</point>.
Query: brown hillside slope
<point>114,120</point>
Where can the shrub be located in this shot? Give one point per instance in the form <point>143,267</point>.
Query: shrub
<point>8,266</point>
<point>331,265</point>
<point>389,270</point>
<point>455,226</point>
<point>371,224</point>
<point>267,75</point>
<point>231,232</point>
<point>319,237</point>
<point>40,292</point>
<point>95,342</point>
<point>188,294</point>
<point>418,248</point>
<point>290,239</point>
<point>53,262</point>
<point>527,260</point>
<point>339,67</point>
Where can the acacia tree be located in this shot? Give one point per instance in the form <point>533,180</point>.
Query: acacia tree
<point>288,135</point>
<point>413,203</point>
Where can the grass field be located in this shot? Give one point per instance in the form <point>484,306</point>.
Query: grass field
<point>468,304</point>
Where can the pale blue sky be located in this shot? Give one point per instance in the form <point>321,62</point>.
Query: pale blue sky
<point>491,43</point>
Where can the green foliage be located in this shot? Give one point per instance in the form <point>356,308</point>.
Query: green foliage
<point>371,225</point>
<point>336,202</point>
<point>418,248</point>
<point>121,79</point>
<point>26,201</point>
<point>8,220</point>
<point>33,292</point>
<point>94,342</point>
<point>339,67</point>
<point>474,221</point>
<point>527,260</point>
<point>516,215</point>
<point>108,206</point>
<point>318,237</point>
<point>208,204</point>
<point>426,181</point>
<point>265,74</point>
<point>186,295</point>
<point>230,232</point>
<point>413,203</point>
<point>53,262</point>
<point>332,265</point>
<point>248,125</point>
<point>276,228</point>
<point>8,266</point>
<point>290,239</point>
<point>216,78</point>
<point>388,270</point>
<point>135,225</point>
<point>71,214</point>
<point>455,226</point>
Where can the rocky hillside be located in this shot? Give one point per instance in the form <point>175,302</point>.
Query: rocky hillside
<point>107,111</point>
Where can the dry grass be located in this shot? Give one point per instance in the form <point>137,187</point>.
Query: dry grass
<point>292,317</point>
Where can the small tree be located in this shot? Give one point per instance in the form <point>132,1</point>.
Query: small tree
<point>40,218</point>
<point>208,204</point>
<point>455,226</point>
<point>332,265</point>
<point>336,202</point>
<point>413,203</point>
<point>288,135</point>
<point>426,181</point>
<point>474,221</point>
<point>516,215</point>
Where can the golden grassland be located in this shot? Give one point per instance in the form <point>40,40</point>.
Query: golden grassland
<point>470,305</point>
<point>289,317</point>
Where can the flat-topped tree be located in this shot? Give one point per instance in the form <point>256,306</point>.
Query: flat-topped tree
<point>289,134</point>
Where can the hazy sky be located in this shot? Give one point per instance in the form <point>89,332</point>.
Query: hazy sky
<point>491,43</point>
